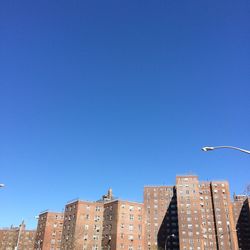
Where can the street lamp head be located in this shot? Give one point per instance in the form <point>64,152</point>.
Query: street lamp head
<point>171,236</point>
<point>1,185</point>
<point>207,149</point>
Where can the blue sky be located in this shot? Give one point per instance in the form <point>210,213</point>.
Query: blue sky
<point>121,94</point>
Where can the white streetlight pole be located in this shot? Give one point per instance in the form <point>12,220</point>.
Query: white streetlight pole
<point>19,235</point>
<point>230,147</point>
<point>168,237</point>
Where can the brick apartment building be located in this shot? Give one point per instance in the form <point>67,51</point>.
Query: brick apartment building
<point>82,227</point>
<point>160,204</point>
<point>205,215</point>
<point>49,231</point>
<point>241,210</point>
<point>105,224</point>
<point>123,225</point>
<point>17,237</point>
<point>191,215</point>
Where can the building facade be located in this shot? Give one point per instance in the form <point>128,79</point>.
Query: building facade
<point>123,225</point>
<point>17,238</point>
<point>82,227</point>
<point>189,212</point>
<point>191,215</point>
<point>161,221</point>
<point>49,231</point>
<point>241,211</point>
<point>205,215</point>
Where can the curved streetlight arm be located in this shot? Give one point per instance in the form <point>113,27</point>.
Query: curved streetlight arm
<point>168,237</point>
<point>231,147</point>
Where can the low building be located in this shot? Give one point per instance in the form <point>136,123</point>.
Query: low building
<point>17,238</point>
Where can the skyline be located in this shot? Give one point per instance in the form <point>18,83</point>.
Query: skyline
<point>33,220</point>
<point>119,94</point>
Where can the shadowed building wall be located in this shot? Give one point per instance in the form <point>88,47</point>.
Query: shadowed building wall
<point>241,210</point>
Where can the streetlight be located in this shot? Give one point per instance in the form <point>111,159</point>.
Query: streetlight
<point>2,185</point>
<point>39,243</point>
<point>168,237</point>
<point>231,147</point>
<point>21,227</point>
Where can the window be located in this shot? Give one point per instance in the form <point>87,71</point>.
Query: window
<point>95,237</point>
<point>130,237</point>
<point>97,218</point>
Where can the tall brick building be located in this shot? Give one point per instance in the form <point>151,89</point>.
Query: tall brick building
<point>17,238</point>
<point>241,210</point>
<point>191,215</point>
<point>49,231</point>
<point>161,219</point>
<point>82,227</point>
<point>205,215</point>
<point>123,225</point>
<point>108,223</point>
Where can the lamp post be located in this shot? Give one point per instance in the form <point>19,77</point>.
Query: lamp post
<point>166,241</point>
<point>20,229</point>
<point>39,243</point>
<point>2,185</point>
<point>230,147</point>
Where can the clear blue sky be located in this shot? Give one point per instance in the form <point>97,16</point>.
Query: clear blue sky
<point>121,94</point>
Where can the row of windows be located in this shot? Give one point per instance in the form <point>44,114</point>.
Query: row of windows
<point>87,207</point>
<point>123,206</point>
